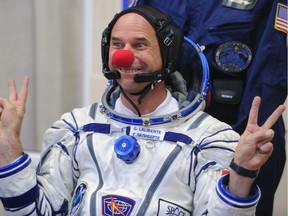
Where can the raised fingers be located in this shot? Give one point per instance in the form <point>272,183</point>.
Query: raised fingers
<point>12,90</point>
<point>23,90</point>
<point>14,97</point>
<point>274,117</point>
<point>253,114</point>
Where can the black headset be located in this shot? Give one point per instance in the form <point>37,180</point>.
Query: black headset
<point>170,41</point>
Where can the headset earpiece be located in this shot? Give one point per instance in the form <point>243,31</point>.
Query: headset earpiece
<point>169,36</point>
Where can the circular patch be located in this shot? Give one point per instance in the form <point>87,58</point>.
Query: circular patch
<point>233,56</point>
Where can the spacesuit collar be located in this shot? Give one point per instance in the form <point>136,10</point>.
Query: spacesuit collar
<point>191,92</point>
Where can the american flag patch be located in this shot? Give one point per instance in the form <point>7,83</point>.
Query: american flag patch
<point>281,23</point>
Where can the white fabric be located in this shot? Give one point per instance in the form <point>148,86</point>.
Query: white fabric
<point>73,157</point>
<point>169,105</point>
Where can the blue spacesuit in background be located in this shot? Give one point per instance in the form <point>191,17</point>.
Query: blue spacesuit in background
<point>245,44</point>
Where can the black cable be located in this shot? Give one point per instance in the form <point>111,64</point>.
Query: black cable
<point>131,102</point>
<point>143,93</point>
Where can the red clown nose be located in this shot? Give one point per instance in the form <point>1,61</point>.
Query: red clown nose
<point>122,58</point>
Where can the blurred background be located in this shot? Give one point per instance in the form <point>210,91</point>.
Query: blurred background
<point>57,44</point>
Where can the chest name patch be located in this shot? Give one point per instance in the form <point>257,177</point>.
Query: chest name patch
<point>147,133</point>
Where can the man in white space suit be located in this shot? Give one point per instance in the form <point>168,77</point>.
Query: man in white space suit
<point>147,149</point>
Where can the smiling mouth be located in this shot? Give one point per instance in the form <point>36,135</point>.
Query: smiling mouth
<point>123,70</point>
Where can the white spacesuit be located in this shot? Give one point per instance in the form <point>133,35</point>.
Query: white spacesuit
<point>98,161</point>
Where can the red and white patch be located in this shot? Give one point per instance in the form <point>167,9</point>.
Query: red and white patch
<point>224,172</point>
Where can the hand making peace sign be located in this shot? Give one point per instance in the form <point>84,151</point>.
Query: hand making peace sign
<point>254,148</point>
<point>255,145</point>
<point>12,111</point>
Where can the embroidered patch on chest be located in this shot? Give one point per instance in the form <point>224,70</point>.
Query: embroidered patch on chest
<point>78,198</point>
<point>168,208</point>
<point>113,205</point>
<point>233,56</point>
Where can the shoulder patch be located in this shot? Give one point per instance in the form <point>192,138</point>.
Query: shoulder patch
<point>240,4</point>
<point>233,56</point>
<point>78,198</point>
<point>281,23</point>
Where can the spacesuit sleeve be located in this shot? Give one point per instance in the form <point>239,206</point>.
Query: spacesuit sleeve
<point>212,157</point>
<point>47,191</point>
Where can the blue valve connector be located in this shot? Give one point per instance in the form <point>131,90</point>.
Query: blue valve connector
<point>127,148</point>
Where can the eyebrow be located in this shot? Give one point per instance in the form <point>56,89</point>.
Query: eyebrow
<point>137,39</point>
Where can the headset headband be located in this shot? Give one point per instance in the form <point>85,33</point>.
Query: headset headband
<point>169,36</point>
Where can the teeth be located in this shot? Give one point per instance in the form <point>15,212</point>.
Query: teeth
<point>129,71</point>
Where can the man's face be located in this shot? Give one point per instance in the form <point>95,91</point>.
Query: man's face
<point>134,33</point>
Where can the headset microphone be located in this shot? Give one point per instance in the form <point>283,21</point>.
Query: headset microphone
<point>149,77</point>
<point>121,59</point>
<point>111,75</point>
